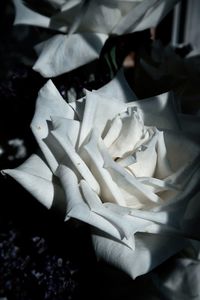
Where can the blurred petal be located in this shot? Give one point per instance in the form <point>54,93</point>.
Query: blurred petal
<point>27,16</point>
<point>146,15</point>
<point>181,281</point>
<point>63,53</point>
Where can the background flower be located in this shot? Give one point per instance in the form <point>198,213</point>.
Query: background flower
<point>88,25</point>
<point>107,166</point>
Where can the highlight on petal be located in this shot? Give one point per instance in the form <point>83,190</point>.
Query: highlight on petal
<point>63,53</point>
<point>24,15</point>
<point>35,176</point>
<point>90,153</point>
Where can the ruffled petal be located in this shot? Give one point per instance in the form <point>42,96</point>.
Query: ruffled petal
<point>97,113</point>
<point>135,193</point>
<point>131,133</point>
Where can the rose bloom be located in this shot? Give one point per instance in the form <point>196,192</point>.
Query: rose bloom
<point>125,168</point>
<point>87,24</point>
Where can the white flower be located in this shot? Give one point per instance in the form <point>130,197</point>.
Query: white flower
<point>107,164</point>
<point>88,24</point>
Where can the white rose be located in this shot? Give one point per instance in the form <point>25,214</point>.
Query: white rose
<point>107,164</point>
<point>89,24</point>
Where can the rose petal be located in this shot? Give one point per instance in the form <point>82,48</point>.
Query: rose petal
<point>77,208</point>
<point>35,176</point>
<point>131,132</point>
<point>158,111</point>
<point>163,167</point>
<point>126,224</point>
<point>98,111</point>
<point>49,103</point>
<point>66,127</point>
<point>150,251</point>
<point>145,159</point>
<point>90,153</point>
<point>136,194</point>
<point>104,15</point>
<point>74,161</point>
<point>24,15</point>
<point>63,53</point>
<point>113,132</point>
<point>146,15</point>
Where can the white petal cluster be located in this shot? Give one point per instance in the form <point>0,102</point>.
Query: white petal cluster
<point>123,167</point>
<point>85,25</point>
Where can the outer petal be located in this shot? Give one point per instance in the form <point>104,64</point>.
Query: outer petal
<point>150,251</point>
<point>49,103</point>
<point>63,53</point>
<point>35,176</point>
<point>26,16</point>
